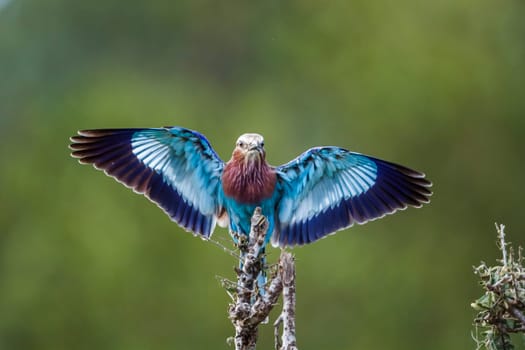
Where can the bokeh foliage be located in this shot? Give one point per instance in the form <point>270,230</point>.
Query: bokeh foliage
<point>86,264</point>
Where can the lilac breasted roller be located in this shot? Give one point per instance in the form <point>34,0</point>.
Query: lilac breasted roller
<point>324,190</point>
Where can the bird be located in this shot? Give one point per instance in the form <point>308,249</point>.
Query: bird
<point>322,191</point>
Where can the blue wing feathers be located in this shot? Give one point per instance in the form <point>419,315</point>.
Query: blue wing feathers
<point>173,167</point>
<point>367,209</point>
<point>329,188</point>
<point>188,217</point>
<point>382,201</point>
<point>378,203</point>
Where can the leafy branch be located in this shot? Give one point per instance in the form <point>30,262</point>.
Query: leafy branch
<point>501,310</point>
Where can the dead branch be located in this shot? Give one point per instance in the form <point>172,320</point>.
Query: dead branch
<point>251,306</point>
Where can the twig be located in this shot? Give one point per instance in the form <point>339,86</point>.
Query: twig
<point>224,248</point>
<point>516,313</point>
<point>276,332</point>
<point>287,317</point>
<point>503,246</point>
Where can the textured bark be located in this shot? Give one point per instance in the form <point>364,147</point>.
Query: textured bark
<point>288,314</point>
<point>250,307</point>
<point>288,340</point>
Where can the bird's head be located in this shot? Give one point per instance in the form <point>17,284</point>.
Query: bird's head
<point>250,148</point>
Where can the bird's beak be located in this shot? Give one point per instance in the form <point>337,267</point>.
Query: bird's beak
<point>255,153</point>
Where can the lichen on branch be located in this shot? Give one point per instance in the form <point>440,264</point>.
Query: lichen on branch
<point>251,306</point>
<point>501,308</point>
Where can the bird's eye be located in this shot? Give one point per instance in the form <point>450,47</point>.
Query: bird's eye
<point>240,144</point>
<point>262,144</point>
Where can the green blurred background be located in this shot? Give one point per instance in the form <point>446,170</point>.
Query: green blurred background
<point>435,85</point>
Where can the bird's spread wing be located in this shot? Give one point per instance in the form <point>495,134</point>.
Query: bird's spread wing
<point>174,167</point>
<point>327,189</point>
